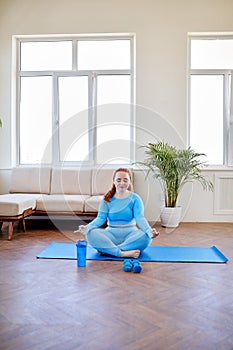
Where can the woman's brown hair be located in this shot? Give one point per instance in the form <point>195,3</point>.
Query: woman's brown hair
<point>108,196</point>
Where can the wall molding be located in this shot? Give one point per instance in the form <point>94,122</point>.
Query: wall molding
<point>223,194</point>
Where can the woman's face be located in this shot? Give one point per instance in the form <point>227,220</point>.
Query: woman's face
<point>121,181</point>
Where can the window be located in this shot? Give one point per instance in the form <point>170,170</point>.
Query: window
<point>75,98</point>
<point>211,98</point>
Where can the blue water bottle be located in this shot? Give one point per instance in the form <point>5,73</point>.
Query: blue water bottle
<point>81,252</point>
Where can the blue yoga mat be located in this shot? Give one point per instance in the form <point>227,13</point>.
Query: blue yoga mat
<point>152,253</point>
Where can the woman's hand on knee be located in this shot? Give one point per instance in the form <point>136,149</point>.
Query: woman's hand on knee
<point>155,233</point>
<point>81,229</point>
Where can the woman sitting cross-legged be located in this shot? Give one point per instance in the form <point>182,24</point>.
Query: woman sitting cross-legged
<point>128,232</point>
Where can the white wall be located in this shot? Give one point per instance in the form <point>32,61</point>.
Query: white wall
<point>161,29</point>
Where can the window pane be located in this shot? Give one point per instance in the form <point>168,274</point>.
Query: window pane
<point>73,118</point>
<point>35,120</point>
<point>50,55</point>
<point>104,54</point>
<point>206,129</point>
<point>57,119</point>
<point>113,89</point>
<point>212,54</point>
<point>113,119</point>
<point>113,145</point>
<point>230,145</point>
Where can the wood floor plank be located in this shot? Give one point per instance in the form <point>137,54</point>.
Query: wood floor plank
<point>52,304</point>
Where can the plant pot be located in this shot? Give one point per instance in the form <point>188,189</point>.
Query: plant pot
<point>170,217</point>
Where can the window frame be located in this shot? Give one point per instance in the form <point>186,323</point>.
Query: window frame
<point>92,94</point>
<point>227,96</point>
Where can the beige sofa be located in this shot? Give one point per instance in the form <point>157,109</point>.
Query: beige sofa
<point>58,191</point>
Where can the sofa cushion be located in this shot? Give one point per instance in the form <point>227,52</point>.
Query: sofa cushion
<point>101,180</point>
<point>30,180</point>
<point>71,181</point>
<point>15,204</point>
<point>61,203</point>
<point>92,204</point>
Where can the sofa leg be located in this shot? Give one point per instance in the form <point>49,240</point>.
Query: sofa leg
<point>24,225</point>
<point>10,230</point>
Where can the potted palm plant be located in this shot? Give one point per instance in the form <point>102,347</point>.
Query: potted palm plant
<point>173,168</point>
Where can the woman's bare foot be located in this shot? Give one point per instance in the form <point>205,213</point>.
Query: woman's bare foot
<point>130,253</point>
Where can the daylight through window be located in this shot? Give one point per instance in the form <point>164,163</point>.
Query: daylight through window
<point>75,98</point>
<point>211,98</point>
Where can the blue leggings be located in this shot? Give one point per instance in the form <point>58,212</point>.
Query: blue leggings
<point>113,240</point>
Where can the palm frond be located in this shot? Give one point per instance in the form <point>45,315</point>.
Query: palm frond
<point>173,168</point>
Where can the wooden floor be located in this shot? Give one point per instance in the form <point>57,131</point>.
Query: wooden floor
<point>53,305</point>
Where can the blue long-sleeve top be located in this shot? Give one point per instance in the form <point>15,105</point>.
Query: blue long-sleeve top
<point>122,211</point>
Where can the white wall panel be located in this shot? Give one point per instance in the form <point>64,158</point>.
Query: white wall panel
<point>223,199</point>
